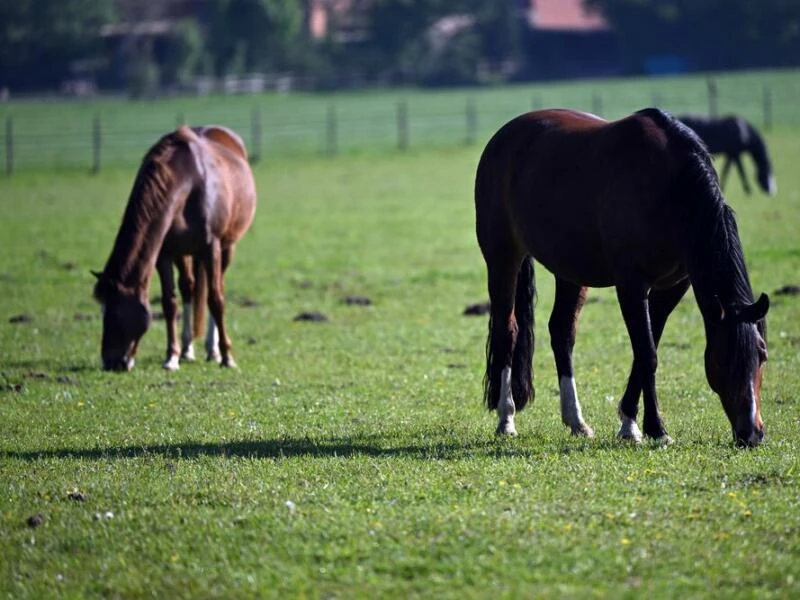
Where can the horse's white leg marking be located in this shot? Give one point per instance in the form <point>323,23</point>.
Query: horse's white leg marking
<point>629,430</point>
<point>505,407</point>
<point>187,349</point>
<point>571,414</point>
<point>212,341</point>
<point>172,363</point>
<point>773,185</point>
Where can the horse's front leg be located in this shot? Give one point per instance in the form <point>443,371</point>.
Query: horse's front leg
<point>213,263</point>
<point>634,304</point>
<point>742,175</point>
<point>569,301</point>
<point>186,287</point>
<point>169,305</point>
<point>661,304</point>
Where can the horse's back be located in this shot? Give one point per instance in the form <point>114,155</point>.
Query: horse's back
<point>225,137</point>
<point>576,191</point>
<point>222,198</point>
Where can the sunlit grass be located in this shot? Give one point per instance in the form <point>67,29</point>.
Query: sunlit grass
<point>353,458</point>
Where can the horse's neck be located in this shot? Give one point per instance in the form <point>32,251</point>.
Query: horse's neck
<point>139,240</point>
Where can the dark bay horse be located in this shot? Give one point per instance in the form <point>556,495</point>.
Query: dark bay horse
<point>193,199</point>
<point>634,204</point>
<point>732,136</point>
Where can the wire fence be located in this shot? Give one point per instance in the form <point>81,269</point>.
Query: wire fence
<point>118,133</point>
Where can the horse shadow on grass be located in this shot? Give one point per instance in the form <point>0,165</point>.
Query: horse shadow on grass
<point>436,446</point>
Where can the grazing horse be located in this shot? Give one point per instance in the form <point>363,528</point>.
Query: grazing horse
<point>732,136</point>
<point>634,204</point>
<point>193,198</point>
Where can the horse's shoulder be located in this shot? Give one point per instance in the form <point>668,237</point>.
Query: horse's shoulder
<point>225,137</point>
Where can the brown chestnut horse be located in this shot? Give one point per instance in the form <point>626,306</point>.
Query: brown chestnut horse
<point>634,204</point>
<point>193,198</point>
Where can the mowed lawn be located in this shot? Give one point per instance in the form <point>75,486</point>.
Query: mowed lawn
<point>352,458</point>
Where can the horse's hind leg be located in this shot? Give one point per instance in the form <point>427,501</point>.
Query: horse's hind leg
<point>186,287</point>
<point>661,303</point>
<point>500,347</point>
<point>169,305</point>
<point>216,260</point>
<point>569,301</point>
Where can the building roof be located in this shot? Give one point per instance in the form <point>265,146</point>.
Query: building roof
<point>565,15</point>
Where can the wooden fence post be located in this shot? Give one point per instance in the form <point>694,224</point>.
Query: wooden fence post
<point>597,104</point>
<point>255,131</point>
<point>767,107</point>
<point>96,143</point>
<point>657,100</point>
<point>402,125</point>
<point>331,135</point>
<point>9,145</point>
<point>712,97</point>
<point>472,121</point>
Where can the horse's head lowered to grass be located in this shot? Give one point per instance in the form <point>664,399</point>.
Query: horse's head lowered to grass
<point>126,318</point>
<point>736,351</point>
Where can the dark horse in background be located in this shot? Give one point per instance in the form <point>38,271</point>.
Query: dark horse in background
<point>732,136</point>
<point>192,200</point>
<point>634,204</point>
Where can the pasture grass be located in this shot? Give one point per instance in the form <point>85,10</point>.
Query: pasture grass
<point>59,133</point>
<point>353,458</point>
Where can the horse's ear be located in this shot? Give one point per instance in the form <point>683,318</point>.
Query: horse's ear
<point>756,311</point>
<point>97,274</point>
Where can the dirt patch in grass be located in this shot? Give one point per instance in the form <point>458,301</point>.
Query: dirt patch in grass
<point>311,317</point>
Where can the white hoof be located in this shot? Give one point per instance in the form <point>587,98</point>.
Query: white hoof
<point>173,363</point>
<point>228,363</point>
<point>188,354</point>
<point>582,430</point>
<point>663,441</point>
<point>630,431</point>
<point>506,427</point>
<point>214,357</point>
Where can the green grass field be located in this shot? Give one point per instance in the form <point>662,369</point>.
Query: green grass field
<point>58,133</point>
<point>353,458</point>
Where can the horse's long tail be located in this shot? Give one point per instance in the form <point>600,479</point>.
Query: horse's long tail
<point>522,360</point>
<point>517,345</point>
<point>199,300</point>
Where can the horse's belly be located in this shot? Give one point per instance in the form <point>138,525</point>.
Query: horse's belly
<point>576,256</point>
<point>182,239</point>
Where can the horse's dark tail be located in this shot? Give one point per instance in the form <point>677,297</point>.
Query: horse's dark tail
<point>522,360</point>
<point>758,150</point>
<point>497,351</point>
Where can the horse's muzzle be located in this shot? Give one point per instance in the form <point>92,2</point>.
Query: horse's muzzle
<point>749,438</point>
<point>121,364</point>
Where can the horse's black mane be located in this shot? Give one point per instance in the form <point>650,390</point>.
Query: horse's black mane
<point>148,197</point>
<point>716,260</point>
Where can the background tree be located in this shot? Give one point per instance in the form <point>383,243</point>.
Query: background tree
<point>40,39</point>
<point>254,34</point>
<point>712,34</point>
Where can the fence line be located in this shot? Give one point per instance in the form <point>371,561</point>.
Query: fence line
<point>346,125</point>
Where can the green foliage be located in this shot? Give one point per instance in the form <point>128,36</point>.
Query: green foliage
<point>713,33</point>
<point>254,34</point>
<point>181,53</point>
<point>353,458</point>
<point>143,76</point>
<point>40,38</point>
